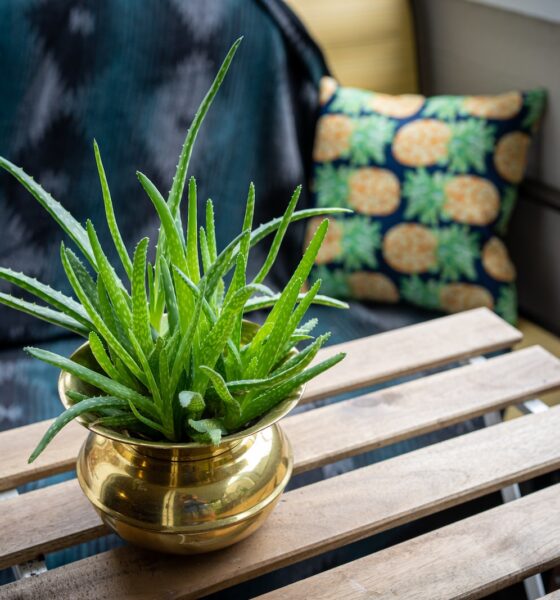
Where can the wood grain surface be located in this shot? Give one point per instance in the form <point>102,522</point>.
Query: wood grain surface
<point>318,437</point>
<point>337,511</point>
<point>468,559</point>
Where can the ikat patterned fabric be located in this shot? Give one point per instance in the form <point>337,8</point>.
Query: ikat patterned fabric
<point>131,74</point>
<point>432,183</point>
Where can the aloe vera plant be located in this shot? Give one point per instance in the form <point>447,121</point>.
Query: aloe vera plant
<point>173,364</point>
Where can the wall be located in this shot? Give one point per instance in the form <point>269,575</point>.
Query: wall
<point>466,47</point>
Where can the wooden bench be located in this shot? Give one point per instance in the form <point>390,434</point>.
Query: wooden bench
<point>468,558</point>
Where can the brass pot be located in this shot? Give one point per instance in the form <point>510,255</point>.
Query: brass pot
<point>183,498</point>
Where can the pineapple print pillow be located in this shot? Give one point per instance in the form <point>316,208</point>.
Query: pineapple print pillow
<point>432,183</point>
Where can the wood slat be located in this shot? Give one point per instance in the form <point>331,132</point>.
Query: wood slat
<point>468,559</point>
<point>552,596</point>
<point>318,437</point>
<point>411,349</point>
<point>369,360</point>
<point>17,444</point>
<point>325,515</point>
<point>402,411</point>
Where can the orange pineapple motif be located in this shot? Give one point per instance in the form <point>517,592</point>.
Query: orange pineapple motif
<point>503,106</point>
<point>410,248</point>
<point>327,88</point>
<point>373,286</point>
<point>421,143</point>
<point>374,191</point>
<point>332,138</point>
<point>456,297</point>
<point>331,248</point>
<point>510,157</point>
<point>496,260</point>
<point>472,200</point>
<point>399,107</point>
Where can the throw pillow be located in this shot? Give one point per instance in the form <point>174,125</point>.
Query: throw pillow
<point>432,183</point>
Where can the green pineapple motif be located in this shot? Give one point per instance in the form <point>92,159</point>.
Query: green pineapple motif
<point>351,101</point>
<point>506,306</point>
<point>369,139</point>
<point>471,140</point>
<point>331,185</point>
<point>425,195</point>
<point>457,251</point>
<point>361,239</point>
<point>534,101</point>
<point>334,281</point>
<point>420,292</point>
<point>506,208</point>
<point>444,107</point>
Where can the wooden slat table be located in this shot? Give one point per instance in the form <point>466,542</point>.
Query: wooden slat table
<point>467,559</point>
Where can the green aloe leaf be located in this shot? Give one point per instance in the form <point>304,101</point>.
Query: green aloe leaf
<point>232,405</point>
<point>146,420</point>
<point>272,336</point>
<point>211,230</point>
<point>101,356</point>
<point>99,381</point>
<point>170,352</point>
<point>113,285</point>
<point>164,382</point>
<point>277,241</point>
<point>170,297</point>
<point>192,240</point>
<point>297,316</point>
<point>216,339</point>
<point>89,405</point>
<point>76,396</point>
<point>124,421</point>
<point>44,292</point>
<point>83,277</point>
<point>99,323</point>
<point>222,264</point>
<point>204,251</point>
<point>260,302</point>
<point>180,178</point>
<point>267,400</point>
<point>264,230</point>
<point>183,352</point>
<point>140,311</point>
<point>303,356</point>
<point>110,214</point>
<point>45,314</point>
<point>208,431</point>
<point>192,404</point>
<point>308,326</point>
<point>297,364</point>
<point>107,313</point>
<point>66,221</point>
<point>173,237</point>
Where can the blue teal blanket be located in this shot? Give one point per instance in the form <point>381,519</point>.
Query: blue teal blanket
<point>131,74</point>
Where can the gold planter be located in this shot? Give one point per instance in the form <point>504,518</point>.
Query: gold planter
<point>183,498</point>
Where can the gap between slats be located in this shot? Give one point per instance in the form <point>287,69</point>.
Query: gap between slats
<point>370,360</point>
<point>325,515</point>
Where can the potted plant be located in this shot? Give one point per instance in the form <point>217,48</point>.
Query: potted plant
<point>180,393</point>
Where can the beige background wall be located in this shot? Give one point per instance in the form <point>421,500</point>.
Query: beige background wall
<point>467,47</point>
